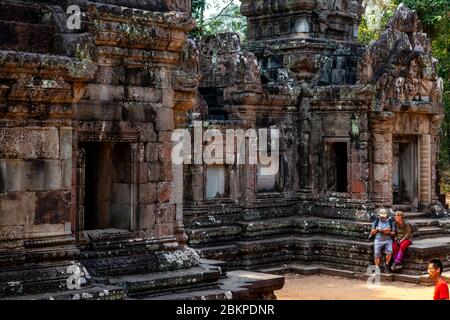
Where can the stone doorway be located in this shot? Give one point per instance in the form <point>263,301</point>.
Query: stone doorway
<point>336,154</point>
<point>405,180</point>
<point>105,185</point>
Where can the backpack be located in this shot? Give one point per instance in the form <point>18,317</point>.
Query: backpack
<point>375,225</point>
<point>391,224</point>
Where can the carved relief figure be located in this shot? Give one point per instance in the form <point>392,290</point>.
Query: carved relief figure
<point>414,69</point>
<point>413,83</point>
<point>400,88</point>
<point>382,84</point>
<point>413,89</point>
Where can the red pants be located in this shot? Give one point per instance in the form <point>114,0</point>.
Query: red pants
<point>398,250</point>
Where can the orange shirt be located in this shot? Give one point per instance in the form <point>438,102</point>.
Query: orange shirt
<point>441,290</point>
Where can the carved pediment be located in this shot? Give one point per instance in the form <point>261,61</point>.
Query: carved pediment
<point>400,65</point>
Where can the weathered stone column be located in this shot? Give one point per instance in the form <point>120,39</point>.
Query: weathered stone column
<point>435,124</point>
<point>381,164</point>
<point>137,154</point>
<point>424,169</point>
<point>316,171</point>
<point>305,168</point>
<point>197,183</point>
<point>248,182</point>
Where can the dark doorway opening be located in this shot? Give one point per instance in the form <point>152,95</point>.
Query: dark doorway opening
<point>107,185</point>
<point>215,102</point>
<point>337,163</point>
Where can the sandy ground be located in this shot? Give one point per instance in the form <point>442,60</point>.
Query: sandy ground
<point>322,287</point>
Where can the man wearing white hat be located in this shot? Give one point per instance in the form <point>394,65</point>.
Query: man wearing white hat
<point>383,229</point>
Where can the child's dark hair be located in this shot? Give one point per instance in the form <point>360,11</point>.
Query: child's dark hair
<point>437,264</point>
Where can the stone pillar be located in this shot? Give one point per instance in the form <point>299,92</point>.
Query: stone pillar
<point>424,169</point>
<point>137,154</point>
<point>197,183</point>
<point>177,200</point>
<point>435,124</point>
<point>304,176</point>
<point>78,220</point>
<point>248,182</point>
<point>248,179</point>
<point>316,171</point>
<point>381,161</point>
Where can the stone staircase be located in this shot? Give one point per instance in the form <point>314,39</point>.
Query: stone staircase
<point>212,284</point>
<point>335,244</point>
<point>92,292</point>
<point>150,269</point>
<point>207,281</point>
<point>117,264</point>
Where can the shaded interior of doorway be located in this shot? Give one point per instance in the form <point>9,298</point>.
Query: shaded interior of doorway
<point>405,171</point>
<point>107,185</point>
<point>337,166</point>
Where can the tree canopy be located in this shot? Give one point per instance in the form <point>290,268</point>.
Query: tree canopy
<point>216,16</point>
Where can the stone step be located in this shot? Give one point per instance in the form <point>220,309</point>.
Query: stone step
<point>418,223</point>
<point>279,227</point>
<point>282,248</point>
<point>429,232</point>
<point>317,269</point>
<point>237,285</point>
<point>26,37</point>
<point>213,234</point>
<point>219,216</point>
<point>211,294</point>
<point>300,226</point>
<point>416,215</point>
<point>162,282</point>
<point>34,278</point>
<point>430,247</point>
<point>112,240</point>
<point>107,235</point>
<point>95,292</point>
<point>402,207</point>
<point>339,253</point>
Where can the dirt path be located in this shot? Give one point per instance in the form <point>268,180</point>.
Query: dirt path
<point>321,287</point>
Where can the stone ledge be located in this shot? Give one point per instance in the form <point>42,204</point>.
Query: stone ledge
<point>182,21</point>
<point>98,292</point>
<point>238,285</point>
<point>321,269</point>
<point>162,282</point>
<point>74,69</point>
<point>340,253</point>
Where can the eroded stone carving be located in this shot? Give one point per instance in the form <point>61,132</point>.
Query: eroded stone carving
<point>403,52</point>
<point>106,100</point>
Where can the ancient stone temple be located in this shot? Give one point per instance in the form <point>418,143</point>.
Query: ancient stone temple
<point>358,132</point>
<point>88,195</point>
<point>92,204</point>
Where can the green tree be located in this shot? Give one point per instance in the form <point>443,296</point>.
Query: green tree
<point>198,11</point>
<point>226,17</point>
<point>375,19</point>
<point>435,17</point>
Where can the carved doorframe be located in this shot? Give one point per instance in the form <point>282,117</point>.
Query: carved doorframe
<point>329,140</point>
<point>79,188</point>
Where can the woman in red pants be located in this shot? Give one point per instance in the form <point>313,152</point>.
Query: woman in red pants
<point>402,240</point>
